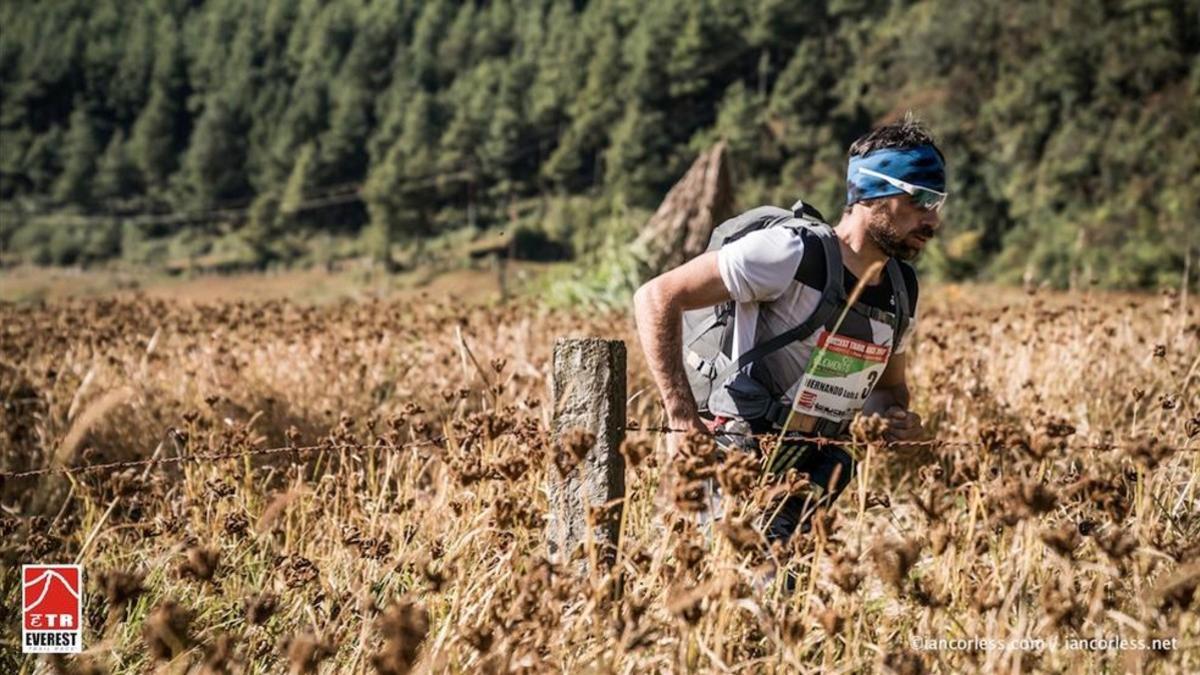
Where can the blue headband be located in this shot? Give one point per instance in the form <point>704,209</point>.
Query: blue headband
<point>921,165</point>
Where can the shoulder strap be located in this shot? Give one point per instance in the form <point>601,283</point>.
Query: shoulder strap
<point>832,297</point>
<point>900,293</point>
<point>802,209</point>
<point>833,261</point>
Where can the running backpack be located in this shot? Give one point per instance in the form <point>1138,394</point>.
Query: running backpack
<point>708,332</point>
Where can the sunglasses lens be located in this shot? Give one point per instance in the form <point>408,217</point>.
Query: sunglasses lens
<point>930,201</point>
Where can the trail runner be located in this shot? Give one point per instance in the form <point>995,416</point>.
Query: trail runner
<point>756,333</point>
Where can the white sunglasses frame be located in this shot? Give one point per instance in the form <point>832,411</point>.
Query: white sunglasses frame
<point>909,188</point>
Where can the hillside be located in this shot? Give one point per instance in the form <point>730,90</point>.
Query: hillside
<point>267,132</point>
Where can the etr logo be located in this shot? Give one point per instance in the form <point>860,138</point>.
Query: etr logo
<point>51,609</point>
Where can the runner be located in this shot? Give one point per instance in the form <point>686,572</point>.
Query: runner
<point>757,333</point>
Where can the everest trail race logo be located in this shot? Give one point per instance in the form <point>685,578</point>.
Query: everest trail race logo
<point>51,609</point>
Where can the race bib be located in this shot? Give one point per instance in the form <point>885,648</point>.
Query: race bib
<point>841,373</point>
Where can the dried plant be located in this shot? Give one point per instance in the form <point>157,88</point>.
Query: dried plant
<point>404,626</point>
<point>166,630</point>
<point>401,525</point>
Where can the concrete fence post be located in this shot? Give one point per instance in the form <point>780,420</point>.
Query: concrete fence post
<point>589,395</point>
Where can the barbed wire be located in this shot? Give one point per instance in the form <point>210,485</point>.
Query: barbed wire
<point>209,458</point>
<point>213,457</point>
<point>844,440</point>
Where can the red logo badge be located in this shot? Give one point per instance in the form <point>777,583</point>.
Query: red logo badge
<point>51,609</point>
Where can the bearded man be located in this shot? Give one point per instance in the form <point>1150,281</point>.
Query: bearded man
<point>765,330</point>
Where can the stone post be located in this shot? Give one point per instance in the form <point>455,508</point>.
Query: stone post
<point>589,394</point>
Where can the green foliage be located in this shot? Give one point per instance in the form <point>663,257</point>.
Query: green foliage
<point>1069,127</point>
<point>607,276</point>
<point>80,149</point>
<point>213,167</point>
<point>116,175</point>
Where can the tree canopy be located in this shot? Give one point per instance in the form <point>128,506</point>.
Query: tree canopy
<point>1069,127</point>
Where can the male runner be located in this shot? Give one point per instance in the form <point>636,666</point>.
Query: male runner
<point>896,187</point>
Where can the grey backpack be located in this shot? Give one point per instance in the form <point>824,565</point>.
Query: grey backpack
<point>714,376</point>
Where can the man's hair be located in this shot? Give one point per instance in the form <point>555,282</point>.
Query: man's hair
<point>905,133</point>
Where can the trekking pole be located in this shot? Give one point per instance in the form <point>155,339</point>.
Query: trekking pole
<point>821,351</point>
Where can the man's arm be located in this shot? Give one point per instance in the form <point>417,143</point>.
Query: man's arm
<point>658,310</point>
<point>892,388</point>
<point>890,400</point>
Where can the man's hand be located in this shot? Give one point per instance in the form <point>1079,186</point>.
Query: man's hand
<point>684,425</point>
<point>902,425</point>
<point>680,427</point>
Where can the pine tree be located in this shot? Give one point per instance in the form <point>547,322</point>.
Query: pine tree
<point>397,189</point>
<point>428,33</point>
<point>214,166</point>
<point>154,139</point>
<point>558,74</point>
<point>135,65</point>
<point>80,152</point>
<point>390,108</point>
<point>343,147</point>
<point>592,112</point>
<point>116,175</point>
<point>508,151</point>
<point>635,160</point>
<point>162,127</point>
<point>456,52</point>
<point>739,123</point>
<point>472,99</point>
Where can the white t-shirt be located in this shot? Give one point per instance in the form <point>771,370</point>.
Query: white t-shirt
<point>759,270</point>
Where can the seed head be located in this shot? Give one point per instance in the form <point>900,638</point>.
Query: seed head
<point>306,651</point>
<point>260,608</point>
<point>166,630</point>
<point>404,626</point>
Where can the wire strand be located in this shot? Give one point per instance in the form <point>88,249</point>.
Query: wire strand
<point>203,458</point>
<point>212,458</point>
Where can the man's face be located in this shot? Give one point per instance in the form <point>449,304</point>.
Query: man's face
<point>898,227</point>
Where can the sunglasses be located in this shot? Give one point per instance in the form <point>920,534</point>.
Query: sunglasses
<point>922,198</point>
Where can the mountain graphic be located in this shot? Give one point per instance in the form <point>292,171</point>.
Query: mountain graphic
<point>53,591</point>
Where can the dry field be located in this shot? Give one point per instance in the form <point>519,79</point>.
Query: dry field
<point>1067,507</point>
<point>476,283</point>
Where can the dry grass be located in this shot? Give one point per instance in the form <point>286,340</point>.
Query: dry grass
<point>432,558</point>
<point>476,283</point>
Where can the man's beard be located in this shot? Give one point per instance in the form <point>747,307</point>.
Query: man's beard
<point>884,234</point>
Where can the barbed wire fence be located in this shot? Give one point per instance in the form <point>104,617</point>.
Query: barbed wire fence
<point>441,440</point>
<point>589,384</point>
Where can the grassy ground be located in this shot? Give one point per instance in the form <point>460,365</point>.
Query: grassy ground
<point>475,284</point>
<point>1069,508</point>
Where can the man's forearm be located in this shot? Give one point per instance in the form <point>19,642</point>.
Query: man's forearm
<point>660,330</point>
<point>886,397</point>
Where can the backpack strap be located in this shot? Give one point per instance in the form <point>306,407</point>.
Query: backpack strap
<point>901,316</point>
<point>802,209</point>
<point>832,298</point>
<point>900,293</point>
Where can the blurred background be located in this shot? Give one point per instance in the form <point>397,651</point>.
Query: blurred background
<point>179,138</point>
